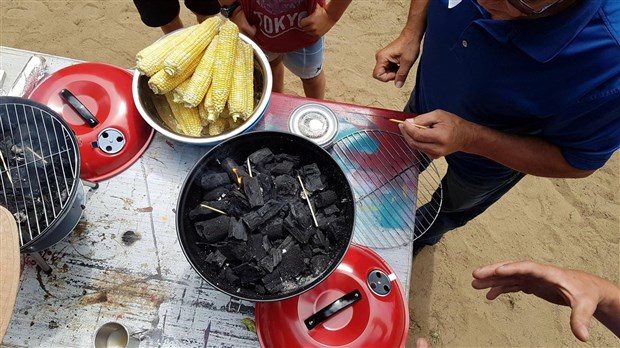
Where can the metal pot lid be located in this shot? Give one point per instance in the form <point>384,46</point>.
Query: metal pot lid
<point>96,100</point>
<point>361,304</point>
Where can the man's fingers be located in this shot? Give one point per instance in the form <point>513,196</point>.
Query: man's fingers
<point>480,284</point>
<point>580,318</point>
<point>488,270</point>
<point>401,74</point>
<point>496,291</point>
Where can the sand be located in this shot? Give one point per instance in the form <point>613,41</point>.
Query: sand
<point>575,223</point>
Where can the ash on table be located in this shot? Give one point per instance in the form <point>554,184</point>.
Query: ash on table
<point>268,237</point>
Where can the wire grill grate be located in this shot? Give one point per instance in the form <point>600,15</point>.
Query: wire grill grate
<point>385,175</point>
<point>39,167</point>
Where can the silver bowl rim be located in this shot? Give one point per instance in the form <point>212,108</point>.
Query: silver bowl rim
<point>249,123</point>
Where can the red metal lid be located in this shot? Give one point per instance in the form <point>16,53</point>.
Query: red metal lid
<point>95,99</point>
<point>361,304</point>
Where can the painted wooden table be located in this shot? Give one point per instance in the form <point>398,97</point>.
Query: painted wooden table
<point>123,261</point>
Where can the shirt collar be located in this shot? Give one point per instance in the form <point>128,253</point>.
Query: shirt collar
<point>544,38</point>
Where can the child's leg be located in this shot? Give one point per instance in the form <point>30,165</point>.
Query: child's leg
<point>175,24</point>
<point>315,87</point>
<point>277,69</point>
<point>307,64</point>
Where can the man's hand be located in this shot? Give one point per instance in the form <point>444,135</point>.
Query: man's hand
<point>395,60</point>
<point>242,22</point>
<point>445,133</point>
<point>318,23</point>
<point>581,291</point>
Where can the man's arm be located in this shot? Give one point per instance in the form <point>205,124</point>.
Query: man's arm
<point>448,133</point>
<point>396,59</point>
<point>586,294</point>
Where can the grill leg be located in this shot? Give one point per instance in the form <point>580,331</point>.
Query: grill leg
<point>41,262</point>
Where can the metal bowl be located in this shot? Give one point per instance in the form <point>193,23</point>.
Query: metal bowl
<point>145,100</point>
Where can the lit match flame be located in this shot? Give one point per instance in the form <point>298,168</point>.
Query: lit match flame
<point>239,178</point>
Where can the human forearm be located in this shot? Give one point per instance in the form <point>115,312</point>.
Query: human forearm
<point>335,9</point>
<point>526,154</point>
<point>416,20</point>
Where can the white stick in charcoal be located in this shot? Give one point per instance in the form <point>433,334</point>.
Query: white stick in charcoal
<point>316,224</point>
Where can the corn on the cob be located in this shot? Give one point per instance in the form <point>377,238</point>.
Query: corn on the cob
<point>165,112</point>
<point>237,99</point>
<point>162,83</point>
<point>188,120</point>
<point>202,111</point>
<point>249,66</point>
<point>217,96</point>
<point>188,50</point>
<point>179,91</point>
<point>217,127</point>
<point>199,83</point>
<point>151,59</point>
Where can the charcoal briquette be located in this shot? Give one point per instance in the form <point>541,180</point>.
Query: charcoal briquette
<point>262,156</point>
<point>274,228</point>
<point>212,180</point>
<point>213,230</point>
<point>266,183</point>
<point>312,178</point>
<point>330,210</point>
<point>237,229</point>
<point>216,258</point>
<point>255,243</point>
<point>292,263</point>
<point>236,251</point>
<point>286,185</point>
<point>280,168</point>
<point>253,191</point>
<point>319,264</point>
<point>325,198</point>
<point>218,192</point>
<point>248,273</point>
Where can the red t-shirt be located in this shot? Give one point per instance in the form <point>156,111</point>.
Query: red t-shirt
<point>277,23</point>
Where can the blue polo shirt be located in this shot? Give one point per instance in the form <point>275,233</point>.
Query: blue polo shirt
<point>557,78</point>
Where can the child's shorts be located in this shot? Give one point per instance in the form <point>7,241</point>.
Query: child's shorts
<point>157,13</point>
<point>306,62</point>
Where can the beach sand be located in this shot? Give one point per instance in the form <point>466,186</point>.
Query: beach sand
<point>574,223</point>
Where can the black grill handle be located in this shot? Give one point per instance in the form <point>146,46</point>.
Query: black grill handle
<point>331,309</point>
<point>79,107</point>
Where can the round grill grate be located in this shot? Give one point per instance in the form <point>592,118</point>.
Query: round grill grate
<point>390,182</point>
<point>39,167</point>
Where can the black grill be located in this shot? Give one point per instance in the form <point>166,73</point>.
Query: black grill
<point>39,167</point>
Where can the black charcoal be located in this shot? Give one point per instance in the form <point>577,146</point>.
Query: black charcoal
<point>253,191</point>
<point>229,276</point>
<point>292,262</point>
<point>218,192</point>
<point>323,199</point>
<point>286,185</point>
<point>248,273</point>
<point>274,228</point>
<point>252,220</point>
<point>213,230</point>
<point>319,264</point>
<point>261,156</point>
<point>213,180</point>
<point>230,166</point>
<point>286,157</point>
<point>237,230</point>
<point>280,168</point>
<point>236,251</point>
<point>255,243</point>
<point>302,214</point>
<point>266,183</point>
<point>201,212</point>
<point>302,235</point>
<point>312,178</point>
<point>330,210</point>
<point>273,282</point>
<point>216,258</point>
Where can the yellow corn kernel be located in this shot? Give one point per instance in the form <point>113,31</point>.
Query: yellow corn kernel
<point>249,66</point>
<point>164,112</point>
<point>222,70</point>
<point>202,111</point>
<point>237,98</point>
<point>188,50</point>
<point>188,120</point>
<point>162,83</point>
<point>199,83</point>
<point>151,59</point>
<point>217,127</point>
<point>179,91</point>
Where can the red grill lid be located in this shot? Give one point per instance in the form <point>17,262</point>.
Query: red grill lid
<point>376,317</point>
<point>118,135</point>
